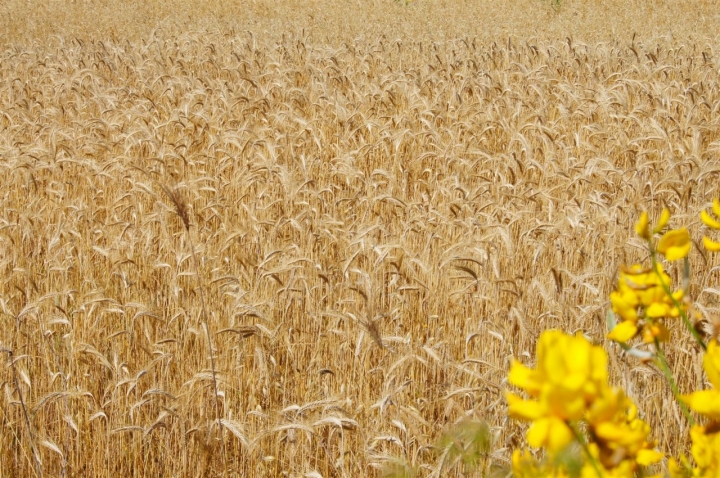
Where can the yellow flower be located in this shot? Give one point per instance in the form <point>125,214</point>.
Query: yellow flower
<point>570,374</point>
<point>525,466</point>
<point>711,363</point>
<point>648,457</point>
<point>707,402</point>
<point>655,330</point>
<point>524,409</point>
<point>623,331</point>
<point>525,378</point>
<point>549,415</point>
<point>625,303</point>
<point>706,439</point>
<point>706,450</point>
<point>569,386</point>
<point>643,288</point>
<point>565,362</point>
<point>579,365</point>
<point>708,220</point>
<point>620,436</point>
<point>645,283</point>
<point>664,219</point>
<point>626,468</point>
<point>711,245</point>
<point>551,433</point>
<point>679,470</point>
<point>712,223</point>
<point>642,227</point>
<point>675,244</point>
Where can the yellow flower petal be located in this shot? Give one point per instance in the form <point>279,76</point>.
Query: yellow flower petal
<point>678,470</point>
<point>648,457</point>
<point>705,402</point>
<point>625,304</point>
<point>524,465</point>
<point>524,377</point>
<point>675,244</point>
<point>711,245</point>
<point>623,332</point>
<point>704,450</point>
<point>657,310</point>
<point>664,219</point>
<point>716,207</point>
<point>620,434</point>
<point>642,227</point>
<point>551,433</point>
<point>655,331</point>
<point>708,220</point>
<point>523,409</point>
<point>711,363</point>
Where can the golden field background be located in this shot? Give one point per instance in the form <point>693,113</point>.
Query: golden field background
<point>386,203</point>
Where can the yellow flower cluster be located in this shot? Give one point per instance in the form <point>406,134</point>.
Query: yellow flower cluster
<point>643,289</point>
<point>674,244</point>
<point>568,387</point>
<point>705,439</point>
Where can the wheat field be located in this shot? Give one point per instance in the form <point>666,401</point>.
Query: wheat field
<point>235,245</point>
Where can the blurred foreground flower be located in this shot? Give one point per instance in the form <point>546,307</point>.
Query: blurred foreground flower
<point>570,374</point>
<point>707,402</point>
<point>705,439</point>
<point>569,390</point>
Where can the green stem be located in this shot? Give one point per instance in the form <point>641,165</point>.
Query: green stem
<point>661,362</point>
<point>583,444</point>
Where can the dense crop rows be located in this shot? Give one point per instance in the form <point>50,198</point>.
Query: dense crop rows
<point>375,229</point>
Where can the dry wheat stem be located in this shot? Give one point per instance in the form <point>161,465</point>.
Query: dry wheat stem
<point>30,430</point>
